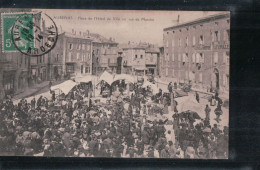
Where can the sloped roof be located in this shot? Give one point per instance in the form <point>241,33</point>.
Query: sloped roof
<point>200,20</point>
<point>100,39</point>
<point>152,50</point>
<point>67,34</point>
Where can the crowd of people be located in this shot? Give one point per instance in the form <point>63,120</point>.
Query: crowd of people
<point>117,128</point>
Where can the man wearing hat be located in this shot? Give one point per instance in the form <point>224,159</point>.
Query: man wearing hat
<point>145,135</point>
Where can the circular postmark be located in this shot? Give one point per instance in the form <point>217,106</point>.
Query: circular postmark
<point>34,34</point>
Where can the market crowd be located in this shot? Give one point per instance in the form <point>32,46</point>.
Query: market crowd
<point>69,125</point>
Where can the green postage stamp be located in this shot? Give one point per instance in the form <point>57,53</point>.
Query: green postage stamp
<point>9,21</point>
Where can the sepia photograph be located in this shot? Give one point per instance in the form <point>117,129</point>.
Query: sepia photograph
<point>114,83</point>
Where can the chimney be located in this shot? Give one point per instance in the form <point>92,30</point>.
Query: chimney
<point>80,33</point>
<point>128,42</point>
<point>72,31</point>
<point>87,33</point>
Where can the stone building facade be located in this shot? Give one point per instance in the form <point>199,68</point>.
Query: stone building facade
<point>71,56</point>
<point>104,54</point>
<point>198,52</point>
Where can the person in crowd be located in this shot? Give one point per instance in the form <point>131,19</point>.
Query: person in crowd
<point>218,112</point>
<point>207,115</point>
<point>122,128</point>
<point>197,96</point>
<point>170,87</point>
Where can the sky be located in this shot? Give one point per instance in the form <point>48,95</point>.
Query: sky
<point>149,28</point>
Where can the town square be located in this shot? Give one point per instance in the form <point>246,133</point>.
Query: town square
<point>91,96</point>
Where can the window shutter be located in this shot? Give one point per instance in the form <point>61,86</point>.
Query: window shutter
<point>183,57</point>
<point>193,40</point>
<point>193,58</point>
<point>200,77</point>
<point>215,57</point>
<point>197,58</point>
<point>202,58</point>
<point>179,57</point>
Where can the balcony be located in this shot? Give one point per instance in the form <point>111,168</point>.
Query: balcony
<point>220,45</point>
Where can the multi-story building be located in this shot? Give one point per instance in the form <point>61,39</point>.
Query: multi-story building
<point>126,52</point>
<point>13,65</point>
<point>161,61</point>
<point>140,59</point>
<point>151,60</point>
<point>71,55</point>
<point>198,52</point>
<point>104,54</point>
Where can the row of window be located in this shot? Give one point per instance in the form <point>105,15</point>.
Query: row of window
<point>191,76</point>
<point>194,27</point>
<point>70,69</point>
<point>215,36</point>
<point>198,57</point>
<point>79,46</point>
<point>82,57</point>
<point>140,56</point>
<point>40,59</point>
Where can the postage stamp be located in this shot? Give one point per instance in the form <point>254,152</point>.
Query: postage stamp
<point>8,20</point>
<point>32,34</point>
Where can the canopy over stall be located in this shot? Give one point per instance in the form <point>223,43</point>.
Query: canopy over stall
<point>126,77</point>
<point>107,77</point>
<point>189,103</point>
<point>65,87</point>
<point>84,79</point>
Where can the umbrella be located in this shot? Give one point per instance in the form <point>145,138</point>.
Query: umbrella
<point>189,113</point>
<point>207,130</point>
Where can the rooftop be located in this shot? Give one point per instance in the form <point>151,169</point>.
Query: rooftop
<point>67,34</point>
<point>91,36</point>
<point>200,20</point>
<point>100,39</point>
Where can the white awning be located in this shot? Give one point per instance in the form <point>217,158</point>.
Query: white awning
<point>84,79</point>
<point>65,87</point>
<point>126,77</point>
<point>107,77</point>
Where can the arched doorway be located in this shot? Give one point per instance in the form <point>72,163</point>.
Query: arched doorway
<point>119,64</point>
<point>215,79</point>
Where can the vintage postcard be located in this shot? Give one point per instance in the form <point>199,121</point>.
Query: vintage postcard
<point>114,83</point>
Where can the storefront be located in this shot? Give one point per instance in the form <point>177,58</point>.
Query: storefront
<point>151,69</point>
<point>70,69</point>
<point>8,82</point>
<point>22,80</point>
